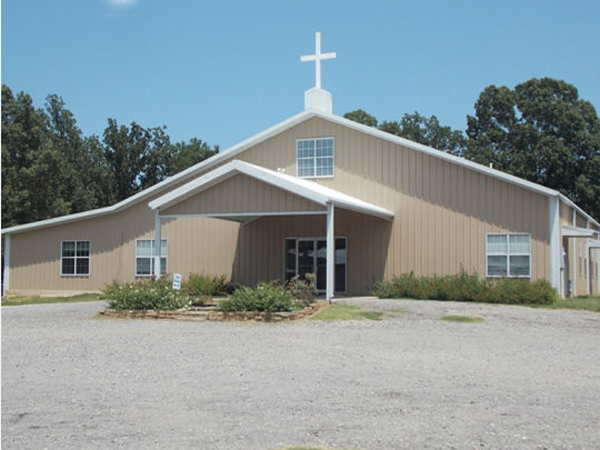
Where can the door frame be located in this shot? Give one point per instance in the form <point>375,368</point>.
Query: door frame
<point>315,239</point>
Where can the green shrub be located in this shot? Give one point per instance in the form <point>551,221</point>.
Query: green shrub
<point>464,287</point>
<point>146,294</point>
<point>303,290</point>
<point>200,284</point>
<point>268,297</point>
<point>524,292</point>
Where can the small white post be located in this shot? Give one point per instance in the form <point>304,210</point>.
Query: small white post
<point>330,267</point>
<point>575,256</point>
<point>588,260</point>
<point>6,263</point>
<point>554,222</point>
<point>157,244</point>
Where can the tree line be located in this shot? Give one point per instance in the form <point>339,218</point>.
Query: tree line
<point>49,168</point>
<point>540,131</point>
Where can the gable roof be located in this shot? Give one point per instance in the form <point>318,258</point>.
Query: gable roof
<point>307,189</point>
<point>275,130</point>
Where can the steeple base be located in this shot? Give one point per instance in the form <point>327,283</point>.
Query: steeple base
<point>318,99</point>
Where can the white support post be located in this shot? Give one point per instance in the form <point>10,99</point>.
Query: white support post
<point>588,261</point>
<point>575,255</point>
<point>330,267</point>
<point>554,243</point>
<point>157,244</point>
<point>6,264</point>
<point>598,269</point>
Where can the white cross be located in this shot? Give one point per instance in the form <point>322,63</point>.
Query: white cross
<point>317,57</point>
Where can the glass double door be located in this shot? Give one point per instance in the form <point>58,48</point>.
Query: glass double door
<point>308,255</point>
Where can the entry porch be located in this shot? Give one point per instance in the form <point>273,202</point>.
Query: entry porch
<point>288,226</point>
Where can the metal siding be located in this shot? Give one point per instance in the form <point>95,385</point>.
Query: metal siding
<point>242,194</point>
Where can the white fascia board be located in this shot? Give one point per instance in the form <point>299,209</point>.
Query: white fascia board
<point>577,232</point>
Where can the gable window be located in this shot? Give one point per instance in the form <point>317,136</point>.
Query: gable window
<point>144,257</point>
<point>314,157</point>
<point>75,258</point>
<point>508,255</point>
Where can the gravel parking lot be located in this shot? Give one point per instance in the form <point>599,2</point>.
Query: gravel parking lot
<point>522,379</point>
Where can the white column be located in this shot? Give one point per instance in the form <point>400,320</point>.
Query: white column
<point>575,255</point>
<point>330,252</point>
<point>588,261</point>
<point>598,269</point>
<point>157,244</point>
<point>554,243</point>
<point>6,263</point>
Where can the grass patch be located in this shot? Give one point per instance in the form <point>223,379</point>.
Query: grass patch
<point>37,300</point>
<point>398,311</point>
<point>346,312</point>
<point>579,303</point>
<point>462,319</point>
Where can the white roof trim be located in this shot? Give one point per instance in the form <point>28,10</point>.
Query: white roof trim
<point>577,232</point>
<point>593,243</point>
<point>273,131</point>
<point>303,188</point>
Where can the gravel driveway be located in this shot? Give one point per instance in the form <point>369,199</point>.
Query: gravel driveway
<point>522,379</point>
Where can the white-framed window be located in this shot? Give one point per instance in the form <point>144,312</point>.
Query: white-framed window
<point>314,157</point>
<point>508,255</point>
<point>75,258</point>
<point>144,257</point>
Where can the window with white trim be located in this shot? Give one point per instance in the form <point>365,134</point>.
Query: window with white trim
<point>144,257</point>
<point>75,258</point>
<point>508,255</point>
<point>314,157</point>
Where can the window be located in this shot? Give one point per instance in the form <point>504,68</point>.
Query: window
<point>314,157</point>
<point>75,258</point>
<point>144,257</point>
<point>508,255</point>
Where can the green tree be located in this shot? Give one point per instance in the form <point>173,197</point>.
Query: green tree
<point>543,132</point>
<point>186,154</point>
<point>31,187</point>
<point>427,131</point>
<point>136,157</point>
<point>361,116</point>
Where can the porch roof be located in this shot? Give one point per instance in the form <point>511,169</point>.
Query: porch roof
<point>303,188</point>
<point>577,232</point>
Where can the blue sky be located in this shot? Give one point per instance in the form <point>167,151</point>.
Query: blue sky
<point>225,70</point>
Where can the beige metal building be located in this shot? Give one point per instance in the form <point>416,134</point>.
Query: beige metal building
<point>317,193</point>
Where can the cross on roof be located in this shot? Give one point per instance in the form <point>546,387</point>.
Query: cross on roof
<point>317,57</point>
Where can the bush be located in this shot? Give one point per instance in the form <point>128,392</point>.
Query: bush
<point>464,288</point>
<point>199,284</point>
<point>303,290</point>
<point>268,297</point>
<point>147,294</point>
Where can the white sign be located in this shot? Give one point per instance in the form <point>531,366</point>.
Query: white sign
<point>177,281</point>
